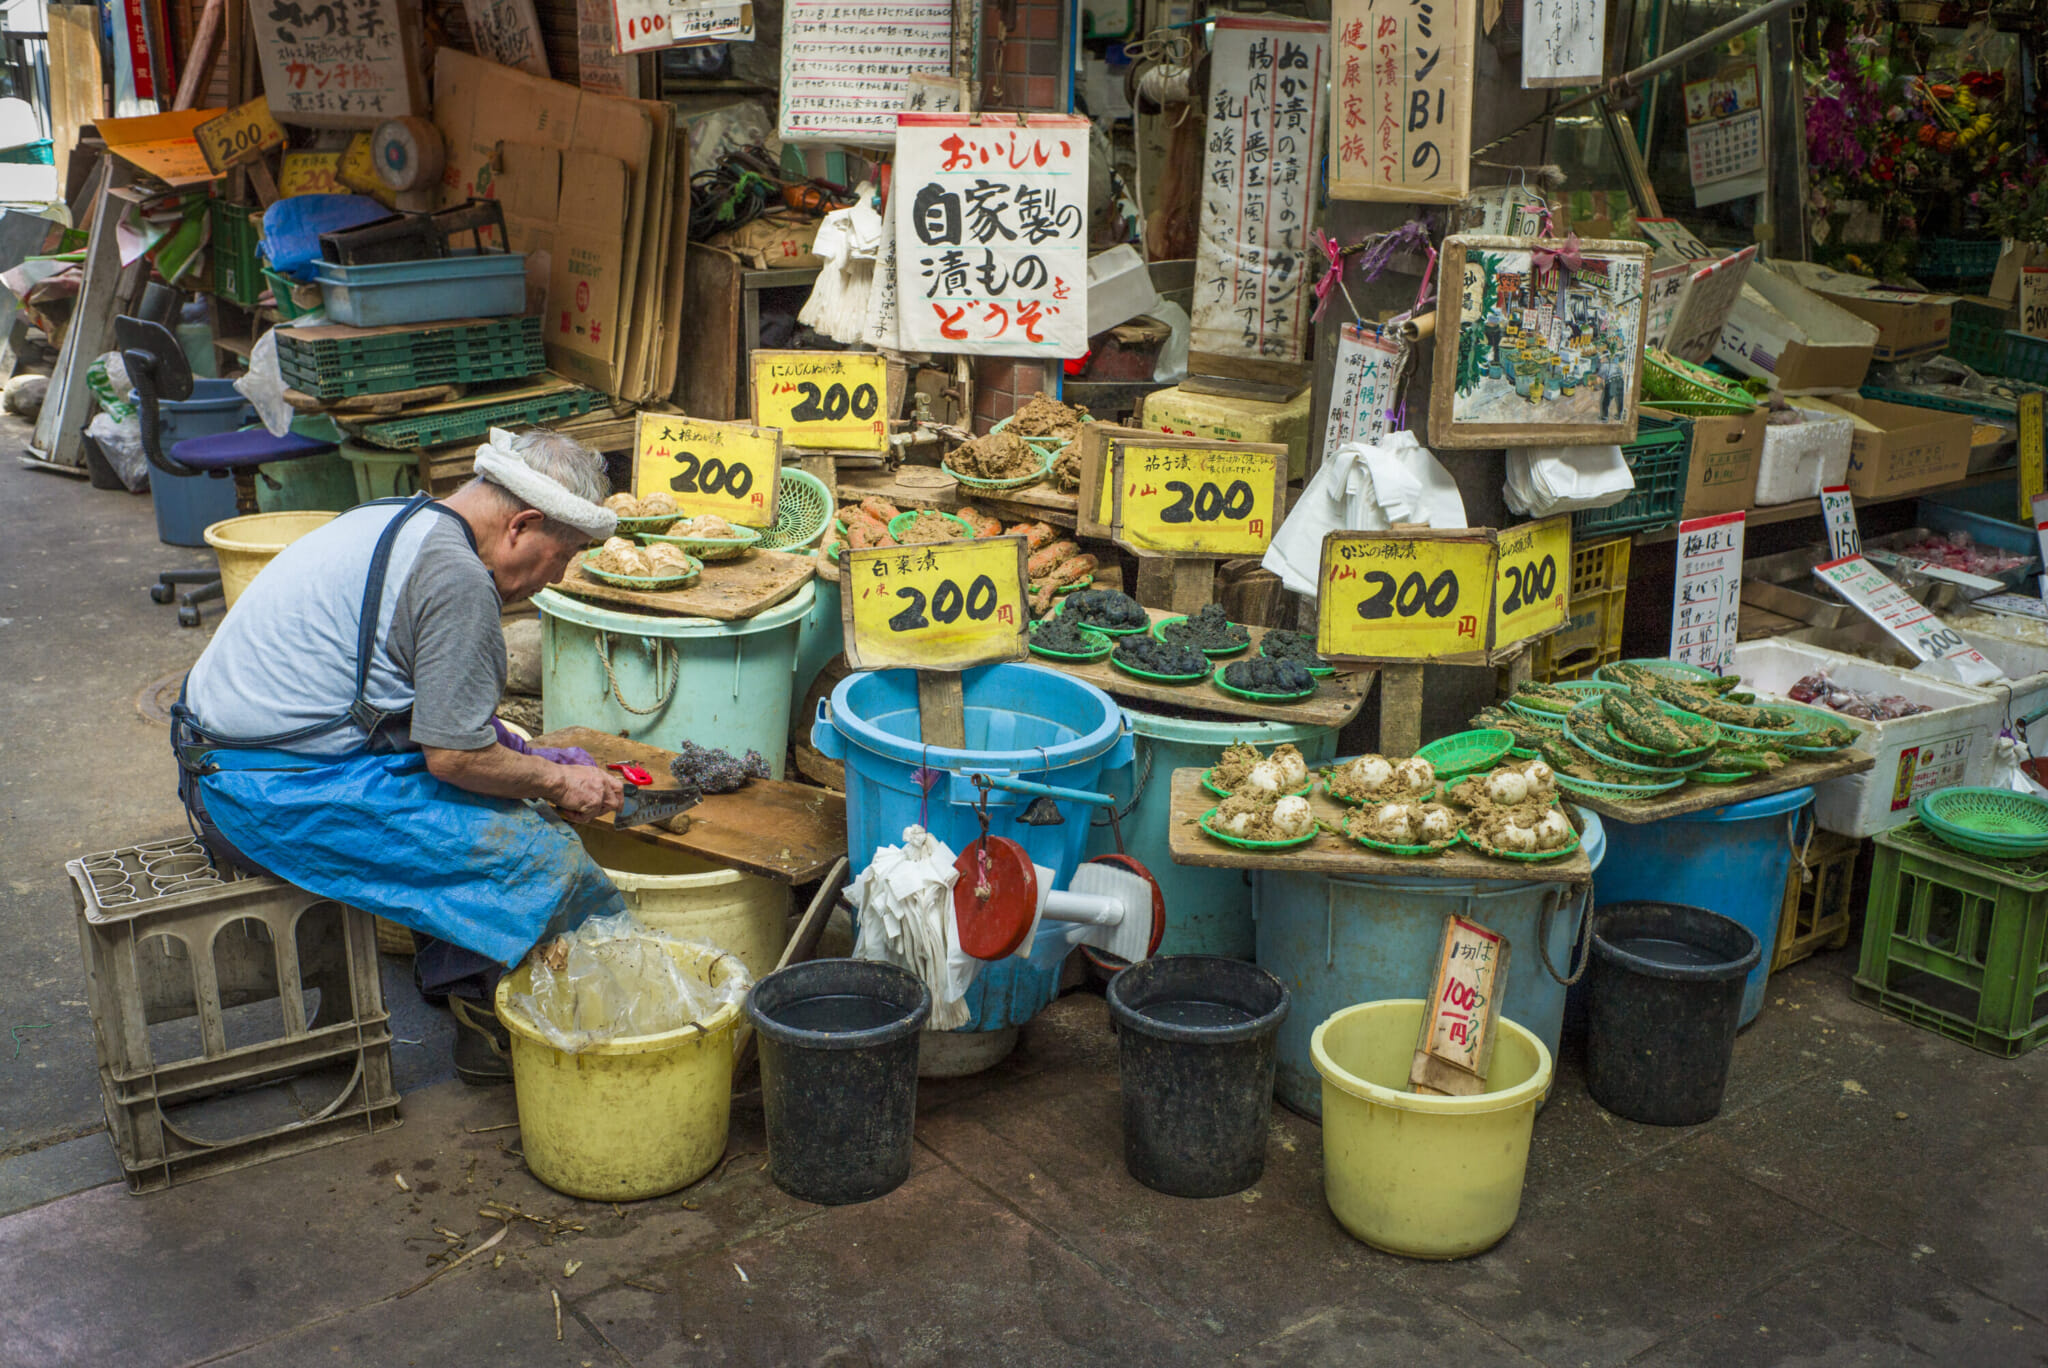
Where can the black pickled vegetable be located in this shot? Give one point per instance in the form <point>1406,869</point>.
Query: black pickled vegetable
<point>1281,644</point>
<point>1208,630</point>
<point>1269,676</point>
<point>1057,634</point>
<point>715,771</point>
<point>1105,608</point>
<point>1156,657</point>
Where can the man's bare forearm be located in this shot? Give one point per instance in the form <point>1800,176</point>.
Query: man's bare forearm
<point>497,772</point>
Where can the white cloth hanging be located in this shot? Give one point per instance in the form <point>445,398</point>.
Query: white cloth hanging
<point>1363,487</point>
<point>905,901</point>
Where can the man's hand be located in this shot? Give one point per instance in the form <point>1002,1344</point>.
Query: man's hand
<point>583,793</point>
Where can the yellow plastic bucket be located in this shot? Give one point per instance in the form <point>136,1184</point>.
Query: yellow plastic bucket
<point>244,545</point>
<point>693,899</point>
<point>1427,1177</point>
<point>635,1117</point>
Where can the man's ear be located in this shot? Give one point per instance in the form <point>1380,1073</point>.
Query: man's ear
<point>526,522</point>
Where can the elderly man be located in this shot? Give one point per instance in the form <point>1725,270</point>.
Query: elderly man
<point>338,731</point>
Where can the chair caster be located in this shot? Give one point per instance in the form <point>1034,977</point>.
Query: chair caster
<point>188,616</point>
<point>162,593</point>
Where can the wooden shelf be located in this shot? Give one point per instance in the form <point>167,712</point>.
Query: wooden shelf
<point>1810,508</point>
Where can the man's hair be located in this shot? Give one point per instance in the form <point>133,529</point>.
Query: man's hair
<point>562,459</point>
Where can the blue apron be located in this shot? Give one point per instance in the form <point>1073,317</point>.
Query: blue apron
<point>380,833</point>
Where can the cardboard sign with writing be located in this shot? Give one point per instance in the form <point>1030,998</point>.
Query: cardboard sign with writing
<point>1710,296</point>
<point>1407,596</point>
<point>645,25</point>
<point>1838,509</point>
<point>507,32</point>
<point>1197,500</point>
<point>729,469</point>
<point>1906,621</point>
<point>2033,407</point>
<point>340,64</point>
<point>847,64</point>
<point>823,401</point>
<point>1533,592</point>
<point>310,173</point>
<point>1460,1021</point>
<point>239,135</point>
<point>1401,121</point>
<point>949,606</point>
<point>162,145</point>
<point>2034,301</point>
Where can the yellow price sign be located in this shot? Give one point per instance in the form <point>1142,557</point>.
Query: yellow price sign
<point>949,606</point>
<point>1406,596</point>
<point>829,401</point>
<point>2031,477</point>
<point>241,133</point>
<point>729,469</point>
<point>1199,501</point>
<point>310,173</point>
<point>1532,594</point>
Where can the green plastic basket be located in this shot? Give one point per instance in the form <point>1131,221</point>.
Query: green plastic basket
<point>1106,647</point>
<point>1737,729</point>
<point>1669,380</point>
<point>1614,736</point>
<point>461,424</point>
<point>1304,791</point>
<point>1388,848</point>
<point>1220,653</point>
<point>1568,849</point>
<point>803,510</point>
<point>1998,824</point>
<point>1957,261</point>
<point>1549,721</point>
<point>648,582</point>
<point>1037,476</point>
<point>1454,757</point>
<point>1151,678</point>
<point>646,527</point>
<point>234,233</point>
<point>1249,696</point>
<point>1817,718</point>
<point>1570,686</point>
<point>903,520</point>
<point>1315,830</point>
<point>711,548</point>
<point>1670,669</point>
<point>1604,751</point>
<point>1990,409</point>
<point>1620,793</point>
<point>1707,776</point>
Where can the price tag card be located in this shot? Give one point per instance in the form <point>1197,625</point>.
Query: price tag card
<point>1198,500</point>
<point>729,469</point>
<point>1706,592</point>
<point>2013,605</point>
<point>1840,511</point>
<point>1454,1052</point>
<point>1406,596</point>
<point>1906,621</point>
<point>1533,591</point>
<point>949,606</point>
<point>2032,481</point>
<point>823,401</point>
<point>238,135</point>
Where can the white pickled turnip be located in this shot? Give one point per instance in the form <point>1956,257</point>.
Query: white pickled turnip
<point>1507,787</point>
<point>1291,817</point>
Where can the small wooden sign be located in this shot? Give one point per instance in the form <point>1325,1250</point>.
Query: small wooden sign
<point>1532,590</point>
<point>1456,596</point>
<point>823,401</point>
<point>730,469</point>
<point>239,135</point>
<point>1454,1050</point>
<point>1161,495</point>
<point>2031,480</point>
<point>948,606</point>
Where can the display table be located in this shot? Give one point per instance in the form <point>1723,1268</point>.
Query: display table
<point>1683,802</point>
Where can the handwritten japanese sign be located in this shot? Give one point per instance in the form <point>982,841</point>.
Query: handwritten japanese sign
<point>1362,390</point>
<point>1903,618</point>
<point>1667,288</point>
<point>1406,596</point>
<point>729,469</point>
<point>823,401</point>
<point>950,606</point>
<point>336,63</point>
<point>992,233</point>
<point>310,173</point>
<point>2033,478</point>
<point>1838,510</point>
<point>846,65</point>
<point>1706,593</point>
<point>644,25</point>
<point>507,32</point>
<point>238,135</point>
<point>1562,42</point>
<point>1710,296</point>
<point>599,67</point>
<point>1401,128</point>
<point>2034,301</point>
<point>1199,502</point>
<point>1454,1049</point>
<point>1531,595</point>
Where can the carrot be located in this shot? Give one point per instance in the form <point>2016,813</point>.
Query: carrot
<point>1052,555</point>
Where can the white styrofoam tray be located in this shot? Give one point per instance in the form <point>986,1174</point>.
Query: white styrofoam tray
<point>1799,460</point>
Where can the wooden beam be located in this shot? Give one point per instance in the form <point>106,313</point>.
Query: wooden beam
<point>102,293</point>
<point>206,41</point>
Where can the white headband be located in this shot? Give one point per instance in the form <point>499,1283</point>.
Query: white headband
<point>503,467</point>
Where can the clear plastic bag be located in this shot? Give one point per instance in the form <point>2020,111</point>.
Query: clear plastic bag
<point>264,386</point>
<point>120,441</point>
<point>614,978</point>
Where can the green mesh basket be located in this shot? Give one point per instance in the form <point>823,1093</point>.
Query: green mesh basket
<point>1248,694</point>
<point>900,524</point>
<point>1602,747</point>
<point>1569,848</point>
<point>1221,792</point>
<point>1998,824</point>
<point>803,510</point>
<point>1682,387</point>
<point>1454,757</point>
<point>1389,848</point>
<point>1146,675</point>
<point>1046,457</point>
<point>1621,793</point>
<point>1242,843</point>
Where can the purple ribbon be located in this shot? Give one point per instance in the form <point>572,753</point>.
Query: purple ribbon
<point>1567,254</point>
<point>1375,254</point>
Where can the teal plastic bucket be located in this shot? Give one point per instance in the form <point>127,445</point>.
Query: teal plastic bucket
<point>1733,860</point>
<point>186,505</point>
<point>1336,942</point>
<point>1208,911</point>
<point>381,474</point>
<point>667,680</point>
<point>820,638</point>
<point>1022,722</point>
<point>321,482</point>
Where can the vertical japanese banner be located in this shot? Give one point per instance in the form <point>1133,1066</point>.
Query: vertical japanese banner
<point>599,66</point>
<point>1362,389</point>
<point>341,64</point>
<point>1401,128</point>
<point>1706,594</point>
<point>1260,171</point>
<point>1562,42</point>
<point>992,233</point>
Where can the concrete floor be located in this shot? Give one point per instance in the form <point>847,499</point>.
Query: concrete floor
<point>1871,1194</point>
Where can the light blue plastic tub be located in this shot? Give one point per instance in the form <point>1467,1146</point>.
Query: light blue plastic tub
<point>821,637</point>
<point>1022,722</point>
<point>671,679</point>
<point>186,505</point>
<point>1208,911</point>
<point>1336,942</point>
<point>1732,860</point>
<point>402,293</point>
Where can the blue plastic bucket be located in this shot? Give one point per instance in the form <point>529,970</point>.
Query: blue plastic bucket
<point>667,680</point>
<point>1732,860</point>
<point>1022,722</point>
<point>1208,911</point>
<point>1336,942</point>
<point>186,505</point>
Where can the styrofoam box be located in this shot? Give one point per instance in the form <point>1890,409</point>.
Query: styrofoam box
<point>1915,755</point>
<point>1798,460</point>
<point>2024,688</point>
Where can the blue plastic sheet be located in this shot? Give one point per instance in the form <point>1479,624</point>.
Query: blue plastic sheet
<point>292,228</point>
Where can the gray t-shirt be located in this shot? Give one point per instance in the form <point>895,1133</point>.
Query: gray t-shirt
<point>285,657</point>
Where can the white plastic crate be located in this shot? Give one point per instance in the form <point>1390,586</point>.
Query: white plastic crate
<point>1798,460</point>
<point>2023,690</point>
<point>1915,755</point>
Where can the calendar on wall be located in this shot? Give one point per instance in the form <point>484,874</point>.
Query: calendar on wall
<point>1723,149</point>
<point>1724,135</point>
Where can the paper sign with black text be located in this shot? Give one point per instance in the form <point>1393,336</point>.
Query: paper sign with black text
<point>823,401</point>
<point>1401,119</point>
<point>728,469</point>
<point>949,606</point>
<point>1706,592</point>
<point>1906,621</point>
<point>1839,511</point>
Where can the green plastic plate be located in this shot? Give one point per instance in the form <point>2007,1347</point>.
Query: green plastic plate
<point>1593,788</point>
<point>649,582</point>
<point>1259,697</point>
<point>1605,754</point>
<point>1462,753</point>
<point>1148,676</point>
<point>710,548</point>
<point>1523,856</point>
<point>1219,653</point>
<point>1037,476</point>
<point>903,520</point>
<point>1242,844</point>
<point>1221,792</point>
<point>1097,654</point>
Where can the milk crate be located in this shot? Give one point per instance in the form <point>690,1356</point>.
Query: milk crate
<point>1954,943</point>
<point>205,987</point>
<point>1591,635</point>
<point>1820,901</point>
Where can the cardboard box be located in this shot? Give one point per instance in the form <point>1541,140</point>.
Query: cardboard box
<point>1909,323</point>
<point>1899,449</point>
<point>1783,332</point>
<point>1721,477</point>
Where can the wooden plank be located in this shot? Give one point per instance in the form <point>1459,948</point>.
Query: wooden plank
<point>1035,503</point>
<point>106,290</point>
<point>780,830</point>
<point>1682,802</point>
<point>75,92</point>
<point>1336,701</point>
<point>727,590</point>
<point>1332,852</point>
<point>385,405</point>
<point>941,710</point>
<point>199,59</point>
<point>1400,709</point>
<point>708,379</point>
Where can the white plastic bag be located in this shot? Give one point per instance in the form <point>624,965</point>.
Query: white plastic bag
<point>905,901</point>
<point>120,441</point>
<point>1546,480</point>
<point>263,386</point>
<point>614,978</point>
<point>2008,753</point>
<point>1363,488</point>
<point>1172,367</point>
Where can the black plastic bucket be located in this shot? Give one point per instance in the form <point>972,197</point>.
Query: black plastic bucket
<point>1663,1001</point>
<point>839,1076</point>
<point>1198,1039</point>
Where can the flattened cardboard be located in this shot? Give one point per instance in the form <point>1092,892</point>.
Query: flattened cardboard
<point>1909,323</point>
<point>583,290</point>
<point>1911,450</point>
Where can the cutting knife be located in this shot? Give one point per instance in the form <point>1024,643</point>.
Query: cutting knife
<point>646,806</point>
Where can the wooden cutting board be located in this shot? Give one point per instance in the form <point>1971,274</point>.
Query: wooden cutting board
<point>727,590</point>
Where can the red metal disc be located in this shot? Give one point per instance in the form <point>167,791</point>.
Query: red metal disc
<point>1136,867</point>
<point>994,924</point>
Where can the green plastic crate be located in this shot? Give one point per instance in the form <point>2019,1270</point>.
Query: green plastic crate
<point>1976,337</point>
<point>235,233</point>
<point>473,353</point>
<point>2025,358</point>
<point>459,425</point>
<point>1658,458</point>
<point>1991,410</point>
<point>1953,260</point>
<point>1955,943</point>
